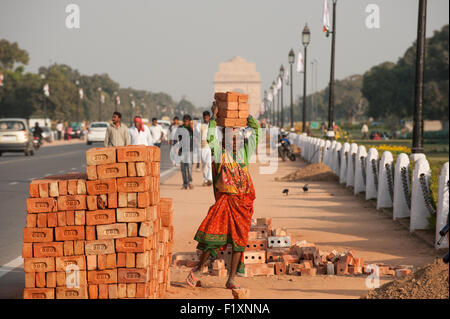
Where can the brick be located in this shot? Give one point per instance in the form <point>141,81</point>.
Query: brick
<point>68,248</point>
<point>81,187</point>
<point>156,169</point>
<point>91,171</point>
<point>400,273</point>
<point>39,293</point>
<point>53,189</point>
<point>132,153</point>
<point>264,221</point>
<point>341,268</point>
<point>226,97</point>
<point>113,291</point>
<point>43,188</point>
<point>69,233</point>
<point>33,188</point>
<point>72,293</point>
<point>140,290</point>
<point>122,200</point>
<point>111,231</point>
<point>262,231</point>
<point>114,170</point>
<point>280,268</point>
<point>131,290</point>
<point>91,233</point>
<point>52,219</point>
<point>99,247</point>
<point>308,271</point>
<point>91,262</point>
<point>112,200</point>
<point>80,217</point>
<point>143,169</point>
<point>93,291</point>
<point>44,264</point>
<point>131,275</point>
<point>70,218</point>
<point>40,280</point>
<point>358,262</point>
<point>41,205</point>
<point>132,230</point>
<point>62,187</point>
<point>143,199</point>
<point>131,199</point>
<point>72,202</point>
<point>91,202</point>
<point>257,244</point>
<point>37,235</point>
<point>146,229</point>
<point>278,242</point>
<point>101,262</point>
<point>31,220</point>
<point>133,184</point>
<point>121,260</point>
<point>51,249</point>
<point>30,280</point>
<point>276,254</point>
<point>61,216</point>
<point>254,256</point>
<point>63,262</point>
<point>101,217</point>
<point>97,277</point>
<point>122,291</point>
<point>103,291</point>
<point>142,260</point>
<point>354,270</point>
<point>260,269</point>
<point>104,186</point>
<point>27,250</point>
<point>102,155</point>
<point>111,261</point>
<point>131,245</point>
<point>226,122</point>
<point>240,122</point>
<point>78,247</point>
<point>243,106</point>
<point>72,187</point>
<point>243,114</point>
<point>293,268</point>
<point>223,113</point>
<point>131,169</point>
<point>130,260</point>
<point>131,215</point>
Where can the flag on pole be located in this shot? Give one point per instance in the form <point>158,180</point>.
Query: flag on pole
<point>262,108</point>
<point>118,100</point>
<point>279,84</point>
<point>286,77</point>
<point>102,98</point>
<point>270,96</point>
<point>326,17</point>
<point>81,93</point>
<point>300,62</point>
<point>46,90</point>
<point>1,79</point>
<point>133,104</point>
<point>275,90</point>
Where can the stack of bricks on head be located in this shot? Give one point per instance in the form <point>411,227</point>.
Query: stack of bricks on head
<point>105,234</point>
<point>232,109</point>
<point>270,252</point>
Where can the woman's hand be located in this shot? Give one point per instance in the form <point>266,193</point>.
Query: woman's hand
<point>214,109</point>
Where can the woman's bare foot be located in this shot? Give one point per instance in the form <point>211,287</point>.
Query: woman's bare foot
<point>231,284</point>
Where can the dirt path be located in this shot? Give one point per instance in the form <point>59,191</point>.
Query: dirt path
<point>328,215</point>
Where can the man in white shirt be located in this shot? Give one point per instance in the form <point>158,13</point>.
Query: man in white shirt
<point>140,134</point>
<point>206,151</point>
<point>157,132</point>
<point>197,142</point>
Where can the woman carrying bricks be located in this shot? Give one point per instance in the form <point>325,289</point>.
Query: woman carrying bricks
<point>228,220</point>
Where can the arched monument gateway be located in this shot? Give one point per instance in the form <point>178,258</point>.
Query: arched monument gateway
<point>239,75</point>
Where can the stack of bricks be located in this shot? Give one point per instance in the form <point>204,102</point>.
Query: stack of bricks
<point>233,109</point>
<point>271,252</point>
<point>105,234</point>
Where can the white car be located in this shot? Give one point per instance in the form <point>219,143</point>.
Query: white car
<point>96,132</point>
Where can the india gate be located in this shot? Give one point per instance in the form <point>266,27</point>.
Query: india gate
<point>239,75</point>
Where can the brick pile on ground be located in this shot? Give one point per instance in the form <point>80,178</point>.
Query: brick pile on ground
<point>233,109</point>
<point>311,173</point>
<point>105,234</point>
<point>271,252</point>
<point>428,282</point>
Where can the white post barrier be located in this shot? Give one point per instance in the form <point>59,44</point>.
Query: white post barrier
<point>360,171</point>
<point>343,169</point>
<point>442,206</point>
<point>402,188</point>
<point>327,152</point>
<point>321,151</point>
<point>419,210</point>
<point>308,149</point>
<point>385,193</point>
<point>371,177</point>
<point>350,179</point>
<point>316,151</point>
<point>336,155</point>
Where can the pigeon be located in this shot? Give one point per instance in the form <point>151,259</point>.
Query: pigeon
<point>286,191</point>
<point>305,188</point>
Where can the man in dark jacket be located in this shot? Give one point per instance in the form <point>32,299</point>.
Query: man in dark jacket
<point>185,148</point>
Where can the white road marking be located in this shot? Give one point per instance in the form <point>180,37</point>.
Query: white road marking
<point>73,168</point>
<point>13,183</point>
<point>170,170</point>
<point>6,268</point>
<point>61,171</point>
<point>48,174</point>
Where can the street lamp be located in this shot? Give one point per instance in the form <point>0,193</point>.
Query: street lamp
<point>265,105</point>
<point>330,132</point>
<point>275,109</point>
<point>77,83</point>
<point>281,106</point>
<point>99,103</point>
<point>45,99</point>
<point>291,59</point>
<point>306,38</point>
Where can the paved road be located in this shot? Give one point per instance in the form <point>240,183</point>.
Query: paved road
<point>16,172</point>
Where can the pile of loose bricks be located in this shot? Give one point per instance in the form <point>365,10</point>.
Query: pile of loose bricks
<point>270,252</point>
<point>233,109</point>
<point>105,234</point>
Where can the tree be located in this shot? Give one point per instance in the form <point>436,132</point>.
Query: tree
<point>10,53</point>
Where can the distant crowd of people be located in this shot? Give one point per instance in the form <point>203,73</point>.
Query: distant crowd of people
<point>199,152</point>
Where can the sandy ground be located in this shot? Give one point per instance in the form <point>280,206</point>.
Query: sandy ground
<point>328,215</point>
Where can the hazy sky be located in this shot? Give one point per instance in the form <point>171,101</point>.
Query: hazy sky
<point>175,46</point>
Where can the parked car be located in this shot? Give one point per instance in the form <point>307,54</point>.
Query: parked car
<point>15,136</point>
<point>96,132</point>
<point>75,131</point>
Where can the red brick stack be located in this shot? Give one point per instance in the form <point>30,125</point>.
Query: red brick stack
<point>109,224</point>
<point>233,109</point>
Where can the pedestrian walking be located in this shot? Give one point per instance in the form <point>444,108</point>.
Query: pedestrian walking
<point>206,151</point>
<point>59,130</point>
<point>365,131</point>
<point>185,144</point>
<point>157,132</point>
<point>140,133</point>
<point>117,133</point>
<point>228,220</point>
<point>197,143</point>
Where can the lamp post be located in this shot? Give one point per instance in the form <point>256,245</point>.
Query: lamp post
<point>265,105</point>
<point>330,132</point>
<point>306,37</point>
<point>417,142</point>
<point>275,108</point>
<point>291,59</point>
<point>79,100</point>
<point>45,100</point>
<point>99,103</point>
<point>281,79</point>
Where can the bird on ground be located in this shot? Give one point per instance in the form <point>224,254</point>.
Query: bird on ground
<point>305,188</point>
<point>286,191</point>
